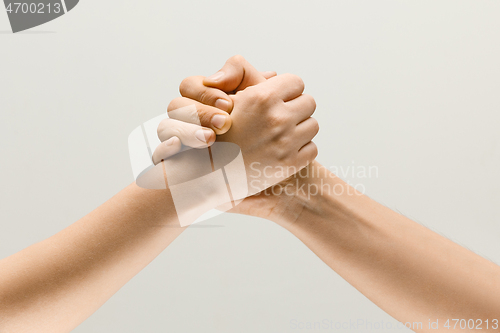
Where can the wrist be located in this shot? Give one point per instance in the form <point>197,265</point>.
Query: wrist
<point>312,193</point>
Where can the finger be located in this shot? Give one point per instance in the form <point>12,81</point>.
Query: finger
<point>302,107</point>
<point>306,131</point>
<point>191,135</point>
<point>286,86</point>
<point>237,74</point>
<point>193,87</point>
<point>307,154</point>
<point>167,149</point>
<point>188,110</point>
<point>268,74</point>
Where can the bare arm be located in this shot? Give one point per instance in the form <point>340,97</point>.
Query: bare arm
<point>411,272</point>
<point>54,285</point>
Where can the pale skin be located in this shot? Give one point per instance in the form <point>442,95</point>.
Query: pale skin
<point>54,285</point>
<point>409,271</point>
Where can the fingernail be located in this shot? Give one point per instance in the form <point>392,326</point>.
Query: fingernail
<point>222,104</point>
<point>170,141</point>
<point>216,76</point>
<point>203,135</point>
<point>218,121</point>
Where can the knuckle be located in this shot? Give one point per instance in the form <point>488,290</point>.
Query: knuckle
<point>283,142</point>
<point>299,82</point>
<point>282,146</point>
<point>291,159</point>
<point>284,154</point>
<point>205,117</point>
<point>314,150</point>
<point>237,59</point>
<point>261,96</point>
<point>202,96</point>
<point>315,126</point>
<point>192,87</point>
<point>161,127</point>
<point>295,80</point>
<point>311,101</point>
<point>280,153</point>
<point>175,104</point>
<point>186,84</point>
<point>276,122</point>
<point>206,96</point>
<point>275,132</point>
<point>182,133</point>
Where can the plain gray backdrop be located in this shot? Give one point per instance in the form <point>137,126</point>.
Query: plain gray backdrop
<point>411,87</point>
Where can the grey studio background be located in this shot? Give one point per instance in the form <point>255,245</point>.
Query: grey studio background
<point>411,87</point>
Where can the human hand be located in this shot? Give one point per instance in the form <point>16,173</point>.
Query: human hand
<point>210,96</point>
<point>268,122</point>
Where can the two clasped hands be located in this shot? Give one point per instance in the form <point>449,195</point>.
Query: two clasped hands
<point>266,115</point>
<point>412,273</point>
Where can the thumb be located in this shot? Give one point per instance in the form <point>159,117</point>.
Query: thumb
<point>236,74</point>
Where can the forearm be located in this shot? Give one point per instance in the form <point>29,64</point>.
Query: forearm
<point>409,271</point>
<point>54,285</point>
